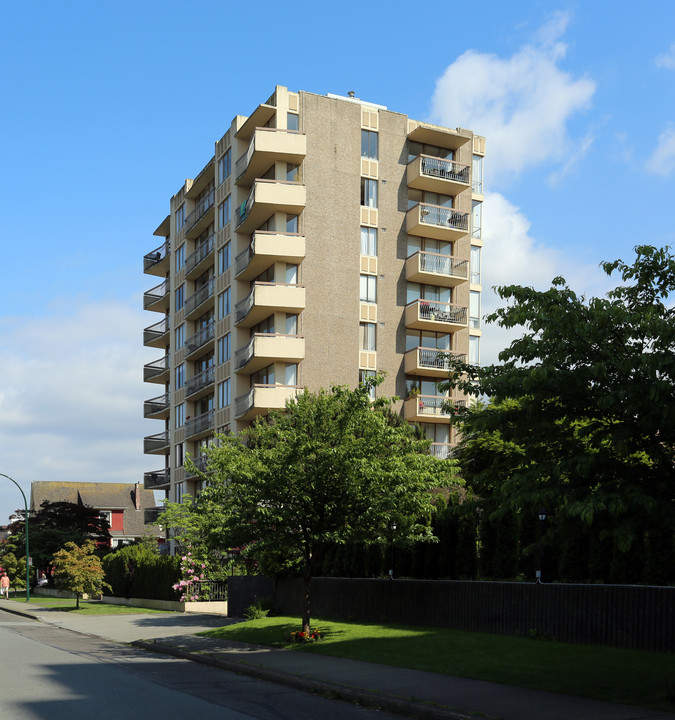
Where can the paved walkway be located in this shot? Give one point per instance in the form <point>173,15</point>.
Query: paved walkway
<point>408,692</point>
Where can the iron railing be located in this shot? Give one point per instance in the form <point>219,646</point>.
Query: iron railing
<point>156,256</point>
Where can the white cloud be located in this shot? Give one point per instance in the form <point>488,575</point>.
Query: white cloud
<point>521,103</point>
<point>71,395</point>
<point>667,59</point>
<point>662,161</point>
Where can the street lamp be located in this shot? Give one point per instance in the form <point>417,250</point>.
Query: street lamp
<point>542,520</point>
<point>393,531</point>
<point>25,525</point>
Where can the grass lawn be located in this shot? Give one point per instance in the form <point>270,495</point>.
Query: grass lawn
<point>87,607</point>
<point>624,676</point>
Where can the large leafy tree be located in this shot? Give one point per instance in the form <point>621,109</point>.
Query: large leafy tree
<point>52,526</point>
<point>79,570</point>
<point>332,468</point>
<point>582,411</point>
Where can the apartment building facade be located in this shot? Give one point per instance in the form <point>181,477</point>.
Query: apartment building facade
<point>326,239</point>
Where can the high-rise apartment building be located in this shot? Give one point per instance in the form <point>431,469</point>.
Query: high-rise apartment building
<point>326,239</point>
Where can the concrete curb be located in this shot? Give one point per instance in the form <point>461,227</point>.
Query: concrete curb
<point>398,706</point>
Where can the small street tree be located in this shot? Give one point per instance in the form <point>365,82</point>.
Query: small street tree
<point>582,414</point>
<point>78,569</point>
<point>333,467</point>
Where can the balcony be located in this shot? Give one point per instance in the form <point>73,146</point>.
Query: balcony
<point>200,425</point>
<point>436,316</point>
<point>157,371</point>
<point>157,261</point>
<point>266,198</point>
<point>200,338</point>
<point>436,135</point>
<point>266,348</point>
<point>157,480</point>
<point>157,299</point>
<point>157,335</point>
<point>197,261</point>
<point>267,248</point>
<point>151,515</point>
<point>437,222</point>
<point>200,217</point>
<point>430,361</point>
<point>201,463</point>
<point>436,175</point>
<point>157,407</point>
<point>158,444</point>
<point>430,408</point>
<point>266,298</point>
<point>201,381</point>
<point>436,269</point>
<point>260,399</point>
<point>442,451</point>
<point>269,145</point>
<point>199,297</point>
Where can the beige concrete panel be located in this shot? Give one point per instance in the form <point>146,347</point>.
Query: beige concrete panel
<point>369,216</point>
<point>368,312</point>
<point>369,119</point>
<point>369,168</point>
<point>478,145</point>
<point>367,360</point>
<point>369,264</point>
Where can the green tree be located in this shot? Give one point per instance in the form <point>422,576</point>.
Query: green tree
<point>52,526</point>
<point>332,468</point>
<point>582,418</point>
<point>78,569</point>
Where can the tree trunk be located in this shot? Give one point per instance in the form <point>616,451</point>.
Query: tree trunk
<point>306,603</point>
<point>77,601</point>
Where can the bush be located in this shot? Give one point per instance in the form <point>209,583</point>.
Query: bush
<point>136,571</point>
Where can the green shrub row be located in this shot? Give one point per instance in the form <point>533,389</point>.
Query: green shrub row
<point>135,571</point>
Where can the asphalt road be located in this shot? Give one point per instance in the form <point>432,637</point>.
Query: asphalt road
<point>51,673</point>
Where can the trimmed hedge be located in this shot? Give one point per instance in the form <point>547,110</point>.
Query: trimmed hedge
<point>137,572</point>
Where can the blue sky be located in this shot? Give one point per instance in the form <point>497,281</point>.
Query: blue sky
<point>106,107</point>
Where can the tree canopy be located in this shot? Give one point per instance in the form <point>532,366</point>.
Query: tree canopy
<point>78,569</point>
<point>581,418</point>
<point>332,468</point>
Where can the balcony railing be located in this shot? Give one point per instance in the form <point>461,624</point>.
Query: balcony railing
<point>151,515</point>
<point>202,206</point>
<point>155,479</point>
<point>155,368</point>
<point>199,296</point>
<point>443,264</point>
<point>201,462</point>
<point>156,404</point>
<point>245,208</point>
<point>157,442</point>
<point>201,253</point>
<point>156,256</point>
<point>242,163</point>
<point>445,169</point>
<point>244,258</point>
<point>442,451</point>
<point>200,380</point>
<point>155,294</point>
<point>437,405</point>
<point>154,332</point>
<point>201,337</point>
<point>444,217</point>
<point>199,424</point>
<point>435,359</point>
<point>442,312</point>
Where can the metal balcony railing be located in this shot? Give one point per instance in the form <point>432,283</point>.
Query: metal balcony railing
<point>155,368</point>
<point>445,169</point>
<point>202,206</point>
<point>157,442</point>
<point>439,405</point>
<point>443,264</point>
<point>199,424</point>
<point>157,478</point>
<point>153,332</point>
<point>156,404</point>
<point>435,359</point>
<point>244,258</point>
<point>156,256</point>
<point>442,312</point>
<point>200,380</point>
<point>151,515</point>
<point>201,337</point>
<point>245,208</point>
<point>444,217</point>
<point>442,451</point>
<point>200,296</point>
<point>155,294</point>
<point>201,462</point>
<point>201,253</point>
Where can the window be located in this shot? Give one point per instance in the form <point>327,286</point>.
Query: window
<point>224,258</point>
<point>426,339</point>
<point>291,223</point>
<point>477,174</point>
<point>368,192</point>
<point>180,257</point>
<point>476,218</point>
<point>367,336</point>
<point>291,374</point>
<point>180,454</point>
<point>369,144</point>
<point>368,288</point>
<point>224,398</point>
<point>432,293</point>
<point>291,324</point>
<point>475,265</point>
<point>474,350</point>
<point>224,212</point>
<point>224,349</point>
<point>224,304</point>
<point>291,274</point>
<point>292,121</point>
<point>180,491</point>
<point>180,297</point>
<point>224,167</point>
<point>266,326</point>
<point>180,376</point>
<point>180,217</point>
<point>105,515</point>
<point>180,337</point>
<point>474,309</point>
<point>293,173</point>
<point>369,241</point>
<point>363,376</point>
<point>180,415</point>
<point>263,377</point>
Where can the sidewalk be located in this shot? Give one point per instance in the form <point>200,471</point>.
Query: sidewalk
<point>411,693</point>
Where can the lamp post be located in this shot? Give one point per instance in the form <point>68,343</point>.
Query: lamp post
<point>391,571</point>
<point>25,526</point>
<point>542,520</point>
